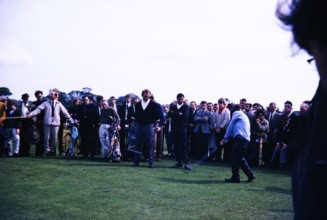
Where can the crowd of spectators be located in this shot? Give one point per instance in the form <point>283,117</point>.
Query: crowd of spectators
<point>23,124</point>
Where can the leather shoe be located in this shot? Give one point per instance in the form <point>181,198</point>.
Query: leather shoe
<point>232,180</point>
<point>177,165</point>
<point>250,179</point>
<point>187,167</point>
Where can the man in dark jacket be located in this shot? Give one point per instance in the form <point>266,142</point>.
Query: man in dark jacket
<point>146,114</point>
<point>179,114</point>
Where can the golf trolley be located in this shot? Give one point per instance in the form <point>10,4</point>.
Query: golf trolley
<point>70,140</point>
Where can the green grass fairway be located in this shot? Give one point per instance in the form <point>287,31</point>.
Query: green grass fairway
<point>57,188</point>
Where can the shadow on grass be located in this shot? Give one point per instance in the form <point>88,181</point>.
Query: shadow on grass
<point>184,181</point>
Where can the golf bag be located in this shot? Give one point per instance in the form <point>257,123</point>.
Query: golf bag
<point>114,151</point>
<point>70,145</point>
<point>131,140</point>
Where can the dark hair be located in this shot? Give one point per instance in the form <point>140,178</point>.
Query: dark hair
<point>258,113</point>
<point>237,107</point>
<point>75,100</point>
<point>288,103</point>
<point>99,98</point>
<point>144,91</point>
<point>38,92</point>
<point>25,96</point>
<point>307,102</point>
<point>203,102</point>
<point>249,104</point>
<point>91,98</point>
<point>306,19</point>
<point>179,95</point>
<point>12,102</point>
<point>221,101</point>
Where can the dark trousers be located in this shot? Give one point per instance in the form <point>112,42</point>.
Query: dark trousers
<point>201,147</point>
<point>2,140</point>
<point>39,146</point>
<point>218,154</point>
<point>144,135</point>
<point>97,140</point>
<point>169,144</point>
<point>191,138</point>
<point>179,140</point>
<point>160,144</point>
<point>87,140</point>
<point>122,141</point>
<point>25,146</point>
<point>238,152</point>
<point>60,139</point>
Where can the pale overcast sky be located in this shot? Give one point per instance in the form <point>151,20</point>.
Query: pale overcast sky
<point>206,49</point>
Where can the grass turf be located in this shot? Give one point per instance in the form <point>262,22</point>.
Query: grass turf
<point>57,188</point>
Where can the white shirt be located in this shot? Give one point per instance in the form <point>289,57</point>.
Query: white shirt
<point>144,104</point>
<point>24,109</point>
<point>178,105</point>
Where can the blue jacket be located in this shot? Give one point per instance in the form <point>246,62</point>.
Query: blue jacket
<point>239,125</point>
